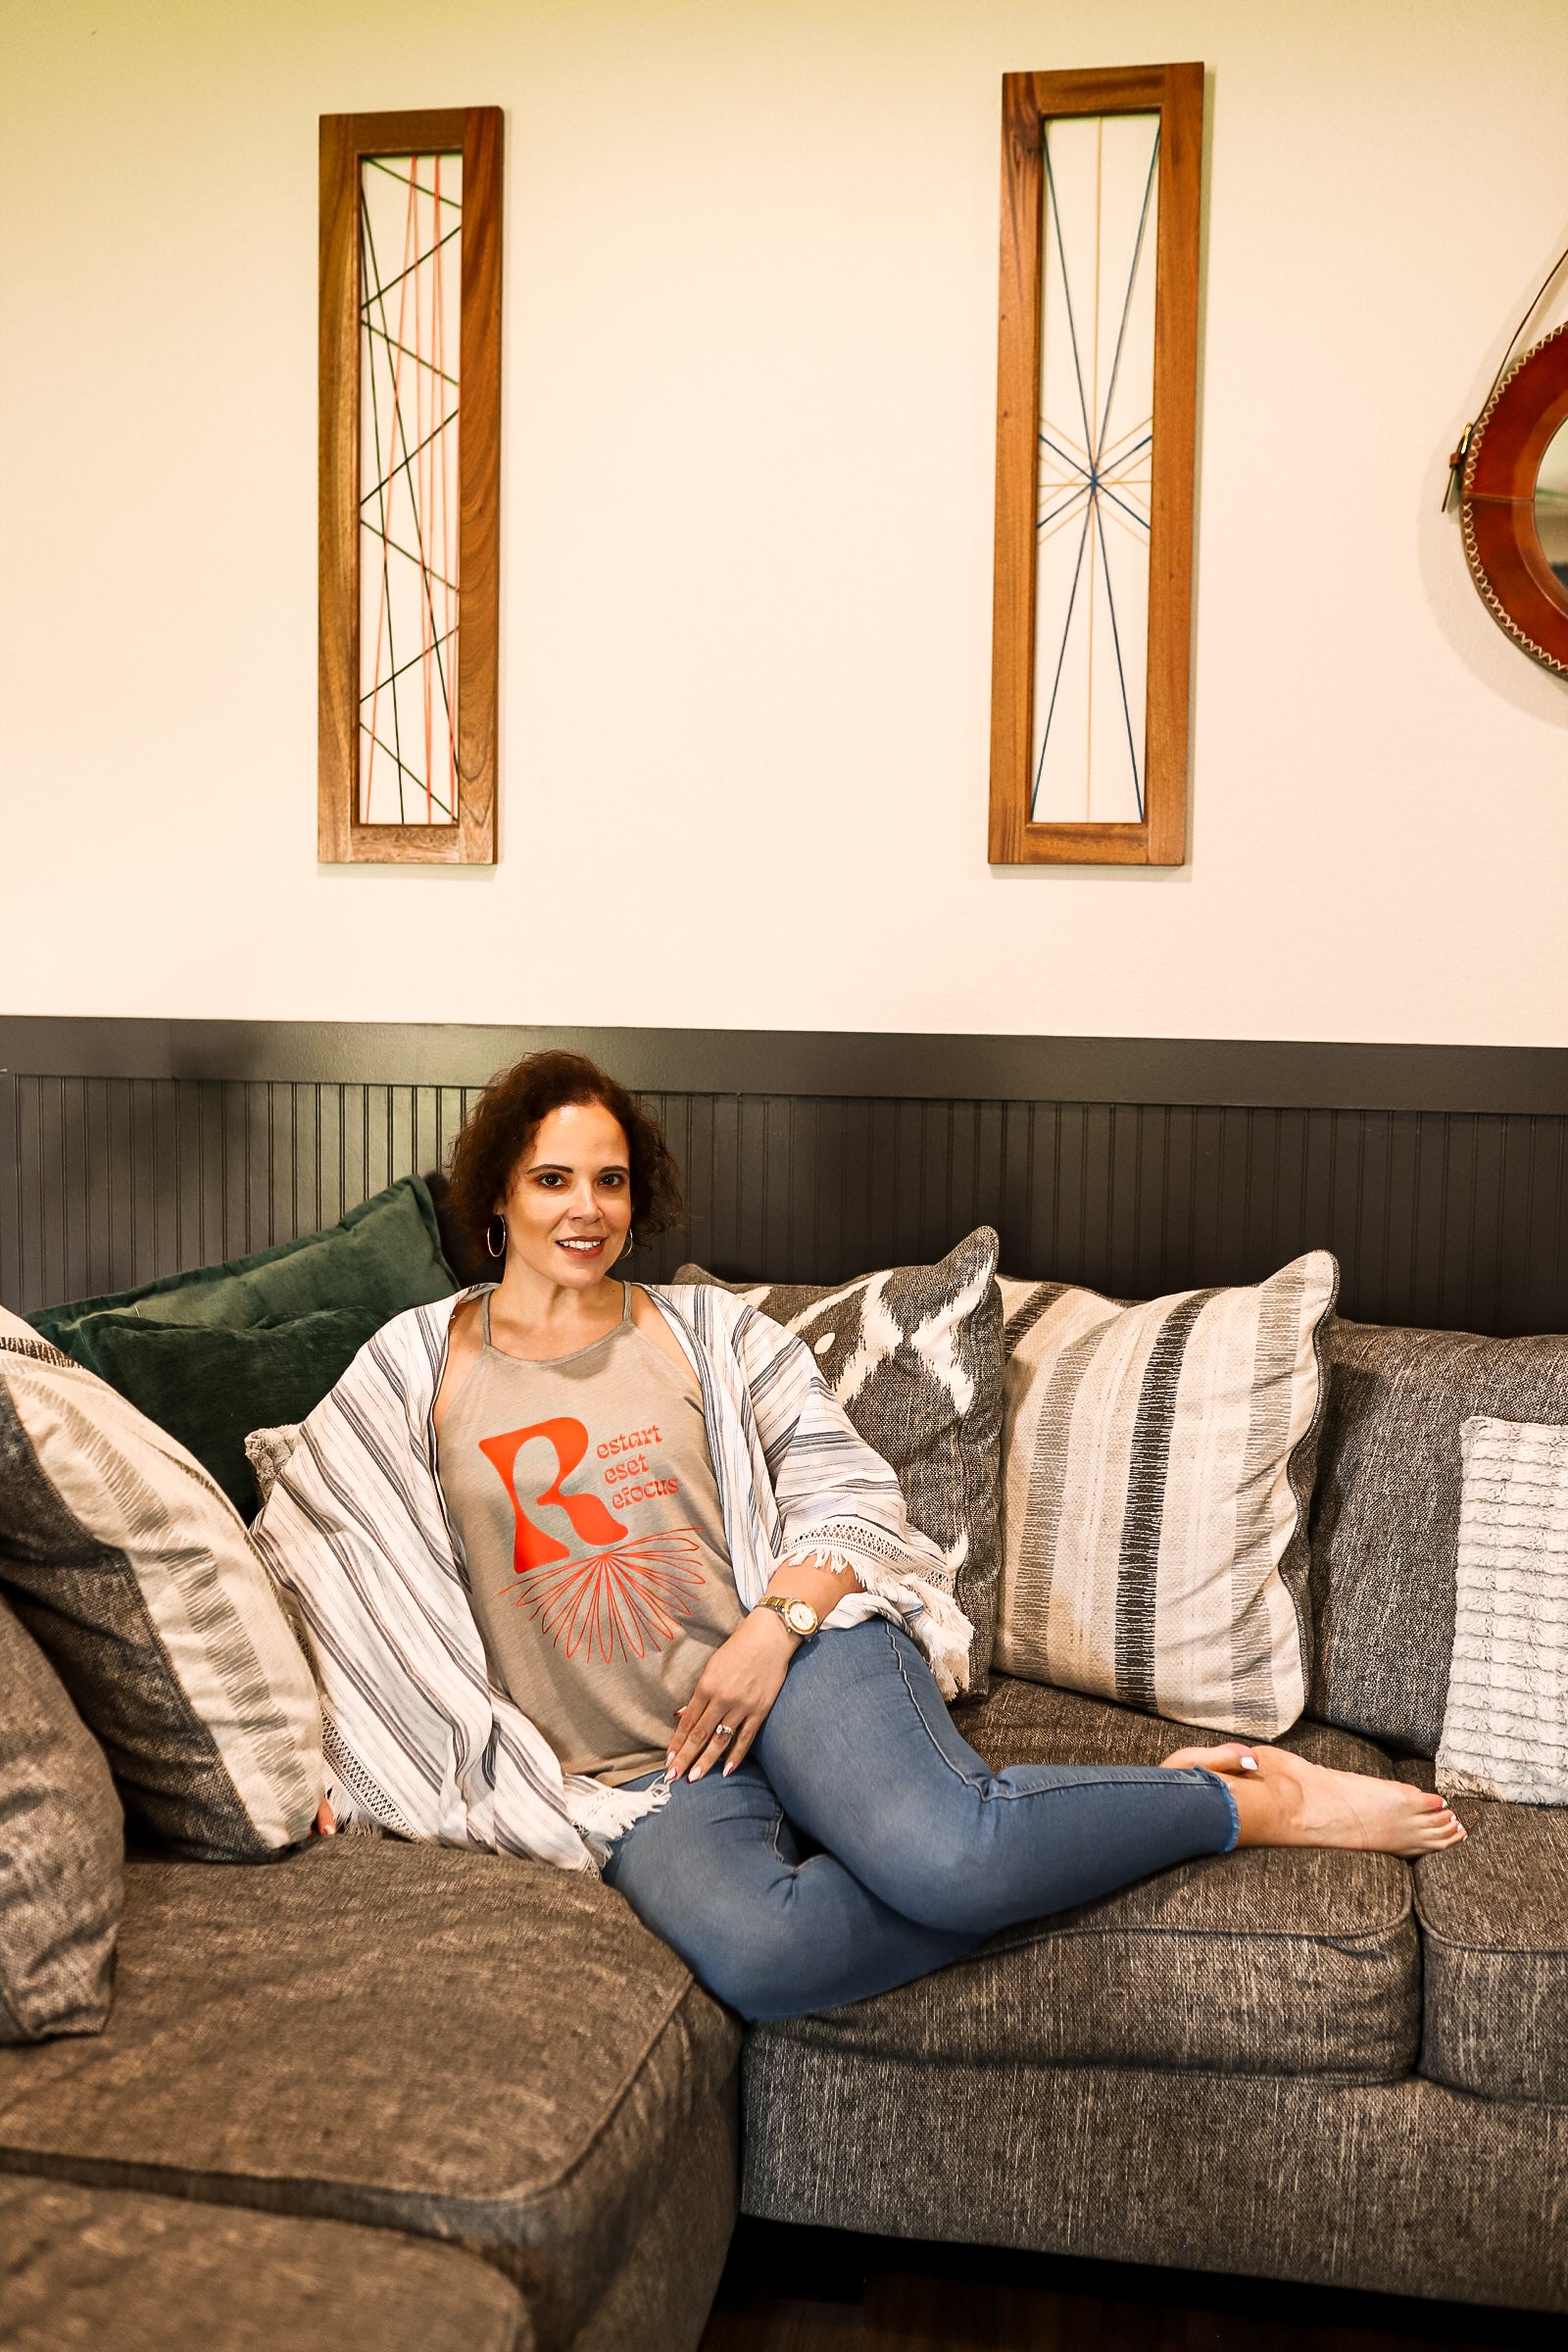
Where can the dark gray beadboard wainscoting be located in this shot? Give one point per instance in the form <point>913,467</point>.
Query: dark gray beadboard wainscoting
<point>1437,1175</point>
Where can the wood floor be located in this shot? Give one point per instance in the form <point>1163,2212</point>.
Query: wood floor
<point>882,2293</point>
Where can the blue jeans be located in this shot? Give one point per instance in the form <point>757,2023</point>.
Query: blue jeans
<point>863,1842</point>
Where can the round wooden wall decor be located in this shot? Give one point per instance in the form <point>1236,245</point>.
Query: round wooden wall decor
<point>1514,503</point>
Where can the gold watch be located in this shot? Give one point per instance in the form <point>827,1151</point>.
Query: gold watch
<point>799,1615</point>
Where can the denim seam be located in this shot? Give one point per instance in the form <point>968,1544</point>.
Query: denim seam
<point>1047,1929</point>
<point>996,1795</point>
<point>921,1714</point>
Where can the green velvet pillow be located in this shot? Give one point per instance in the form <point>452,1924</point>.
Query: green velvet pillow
<point>212,1354</point>
<point>384,1257</point>
<point>209,1385</point>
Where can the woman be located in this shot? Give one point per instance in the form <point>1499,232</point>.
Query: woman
<point>601,1573</point>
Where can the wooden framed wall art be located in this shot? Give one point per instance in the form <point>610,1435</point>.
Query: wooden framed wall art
<point>410,484</point>
<point>1095,433</point>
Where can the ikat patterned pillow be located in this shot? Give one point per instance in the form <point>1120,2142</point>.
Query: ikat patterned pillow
<point>913,1355</point>
<point>62,1844</point>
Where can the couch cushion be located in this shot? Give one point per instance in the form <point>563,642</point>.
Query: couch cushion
<point>61,1845</point>
<point>1493,1917</point>
<point>1263,1962</point>
<point>458,2044</point>
<point>1386,1517</point>
<point>913,1355</point>
<point>88,2267</point>
<point>142,1586</point>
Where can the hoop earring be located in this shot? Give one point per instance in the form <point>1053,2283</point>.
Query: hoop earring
<point>629,1243</point>
<point>495,1247</point>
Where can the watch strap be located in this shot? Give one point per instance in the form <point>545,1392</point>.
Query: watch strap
<point>781,1604</point>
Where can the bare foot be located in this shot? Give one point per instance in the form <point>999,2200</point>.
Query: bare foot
<point>1283,1800</point>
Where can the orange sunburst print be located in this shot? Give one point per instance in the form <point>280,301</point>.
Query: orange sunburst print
<point>621,1603</point>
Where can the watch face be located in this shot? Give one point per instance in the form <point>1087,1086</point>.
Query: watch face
<point>801,1617</point>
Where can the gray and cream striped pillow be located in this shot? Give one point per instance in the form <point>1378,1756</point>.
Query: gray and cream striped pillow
<point>1156,1475</point>
<point>135,1576</point>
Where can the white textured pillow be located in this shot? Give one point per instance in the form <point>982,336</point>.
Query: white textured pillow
<point>1156,1468</point>
<point>135,1576</point>
<point>1505,1726</point>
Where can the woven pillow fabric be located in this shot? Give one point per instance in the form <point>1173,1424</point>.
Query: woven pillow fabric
<point>137,1579</point>
<point>62,1846</point>
<point>913,1355</point>
<point>1505,1726</point>
<point>1157,1477</point>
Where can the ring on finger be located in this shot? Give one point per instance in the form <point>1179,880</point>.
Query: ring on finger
<point>723,1731</point>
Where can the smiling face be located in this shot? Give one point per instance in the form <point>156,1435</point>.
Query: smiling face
<point>568,1201</point>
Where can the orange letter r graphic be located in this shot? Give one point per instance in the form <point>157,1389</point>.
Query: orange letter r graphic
<point>591,1523</point>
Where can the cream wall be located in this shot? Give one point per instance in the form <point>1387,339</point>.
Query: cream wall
<point>749,382</point>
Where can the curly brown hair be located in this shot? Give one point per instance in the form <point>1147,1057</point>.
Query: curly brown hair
<point>507,1117</point>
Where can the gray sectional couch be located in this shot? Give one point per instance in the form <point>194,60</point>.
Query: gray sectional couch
<point>1322,2067</point>
<point>340,2060</point>
<point>410,2094</point>
<point>1327,2066</point>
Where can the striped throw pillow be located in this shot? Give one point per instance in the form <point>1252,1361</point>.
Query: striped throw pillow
<point>1505,1723</point>
<point>1158,1468</point>
<point>137,1579</point>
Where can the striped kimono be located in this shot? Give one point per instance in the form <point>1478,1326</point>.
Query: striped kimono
<point>417,1737</point>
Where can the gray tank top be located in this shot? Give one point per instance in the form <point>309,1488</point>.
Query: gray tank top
<point>584,1497</point>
